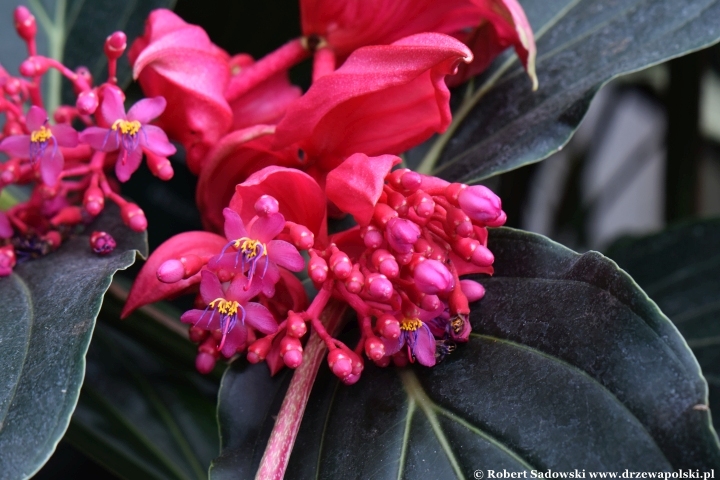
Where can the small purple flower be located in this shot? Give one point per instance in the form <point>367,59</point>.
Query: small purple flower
<point>257,251</point>
<point>42,144</point>
<point>416,336</point>
<point>230,312</point>
<point>129,133</point>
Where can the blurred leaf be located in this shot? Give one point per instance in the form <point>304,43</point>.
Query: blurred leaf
<point>679,269</point>
<point>581,45</point>
<point>49,310</point>
<point>143,413</point>
<point>570,365</point>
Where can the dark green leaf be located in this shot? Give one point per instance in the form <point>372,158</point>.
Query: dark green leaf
<point>570,365</point>
<point>49,310</point>
<point>144,414</point>
<point>680,270</point>
<point>581,45</point>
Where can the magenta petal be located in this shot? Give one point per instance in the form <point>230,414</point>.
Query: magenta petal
<point>51,165</point>
<point>125,169</point>
<point>236,291</point>
<point>234,226</point>
<point>424,348</point>
<point>65,135</point>
<point>147,109</point>
<point>210,288</point>
<point>102,139</point>
<point>267,228</point>
<point>112,106</point>
<point>36,118</point>
<point>6,230</point>
<point>224,262</point>
<point>155,140</point>
<point>285,255</point>
<point>393,346</point>
<point>192,316</point>
<point>260,318</point>
<point>16,146</point>
<point>234,340</point>
<point>272,276</point>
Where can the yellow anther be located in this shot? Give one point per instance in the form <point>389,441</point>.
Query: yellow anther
<point>127,127</point>
<point>410,324</point>
<point>226,307</point>
<point>42,135</point>
<point>250,247</point>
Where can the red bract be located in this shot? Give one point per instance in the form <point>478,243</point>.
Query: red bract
<point>178,61</point>
<point>383,99</point>
<point>235,157</point>
<point>191,249</point>
<point>301,199</point>
<point>350,24</point>
<point>504,24</point>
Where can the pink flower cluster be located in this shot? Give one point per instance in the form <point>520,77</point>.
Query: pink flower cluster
<point>69,169</point>
<point>274,163</point>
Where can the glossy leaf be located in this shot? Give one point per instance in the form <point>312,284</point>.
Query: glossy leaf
<point>49,309</point>
<point>144,412</point>
<point>680,270</point>
<point>569,366</point>
<point>581,45</point>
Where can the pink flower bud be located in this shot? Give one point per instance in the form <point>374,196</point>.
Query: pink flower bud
<point>383,213</point>
<point>402,234</point>
<point>423,204</point>
<point>87,102</point>
<point>133,217</point>
<point>197,334</point>
<point>205,362</point>
<point>350,379</point>
<point>452,191</point>
<point>374,348</point>
<point>259,349</point>
<point>34,66</point>
<point>291,351</point>
<point>296,326</point>
<point>371,237</point>
<point>7,260</point>
<point>482,256</point>
<point>432,277</point>
<point>266,205</point>
<point>102,243</point>
<point>12,86</point>
<point>115,45</point>
<point>411,181</point>
<point>67,216</point>
<point>25,23</point>
<point>292,358</point>
<point>480,203</point>
<point>355,282</point>
<point>340,265</point>
<point>159,166</point>
<point>472,290</point>
<point>94,200</point>
<point>171,271</point>
<point>430,303</point>
<point>340,363</point>
<point>318,269</point>
<point>388,326</point>
<point>383,362</point>
<point>301,237</point>
<point>458,223</point>
<point>379,287</point>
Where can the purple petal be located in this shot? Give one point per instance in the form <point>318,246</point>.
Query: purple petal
<point>234,340</point>
<point>16,146</point>
<point>236,291</point>
<point>154,139</point>
<point>210,287</point>
<point>225,262</point>
<point>147,109</point>
<point>260,318</point>
<point>285,255</point>
<point>234,226</point>
<point>6,230</point>
<point>103,139</point>
<point>191,316</point>
<point>36,118</point>
<point>424,348</point>
<point>51,165</point>
<point>65,135</point>
<point>267,228</point>
<point>112,106</point>
<point>393,346</point>
<point>205,319</point>
<point>125,169</point>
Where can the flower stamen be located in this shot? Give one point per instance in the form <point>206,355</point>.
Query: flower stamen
<point>410,324</point>
<point>127,127</point>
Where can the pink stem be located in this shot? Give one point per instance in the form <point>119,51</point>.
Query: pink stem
<point>281,59</point>
<point>323,63</point>
<point>282,438</point>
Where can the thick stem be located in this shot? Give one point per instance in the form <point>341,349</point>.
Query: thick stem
<point>281,59</point>
<point>279,447</point>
